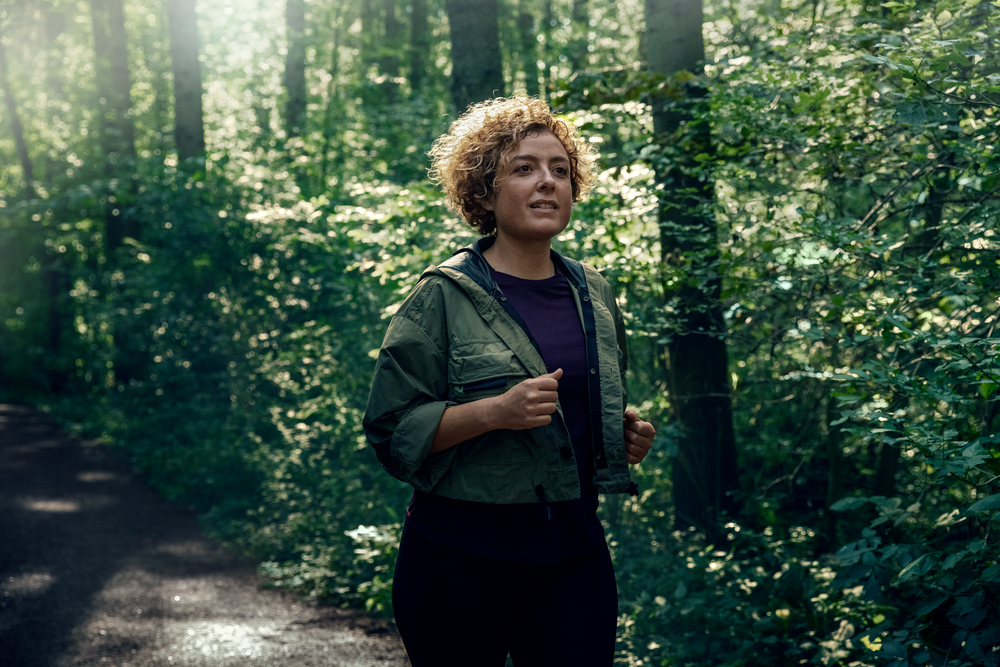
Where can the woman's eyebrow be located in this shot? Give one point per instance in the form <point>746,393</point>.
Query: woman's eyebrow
<point>532,158</point>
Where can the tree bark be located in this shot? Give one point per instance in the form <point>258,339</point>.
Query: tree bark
<point>477,69</point>
<point>547,23</point>
<point>15,126</point>
<point>580,20</point>
<point>529,51</point>
<point>189,129</point>
<point>115,90</point>
<point>332,94</point>
<point>704,471</point>
<point>389,60</point>
<point>295,68</point>
<point>420,45</point>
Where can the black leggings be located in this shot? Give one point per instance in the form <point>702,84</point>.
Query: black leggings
<point>461,609</point>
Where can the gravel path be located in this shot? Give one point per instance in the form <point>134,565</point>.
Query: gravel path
<point>97,569</point>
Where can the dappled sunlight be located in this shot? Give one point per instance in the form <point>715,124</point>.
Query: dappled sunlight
<point>26,583</point>
<point>221,639</point>
<point>97,476</point>
<point>54,506</point>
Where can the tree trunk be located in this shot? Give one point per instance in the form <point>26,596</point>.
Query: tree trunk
<point>704,470</point>
<point>420,45</point>
<point>115,90</point>
<point>477,68</point>
<point>547,20</point>
<point>529,51</point>
<point>332,94</point>
<point>189,129</point>
<point>295,68</point>
<point>15,126</point>
<point>54,277</point>
<point>580,21</point>
<point>389,61</point>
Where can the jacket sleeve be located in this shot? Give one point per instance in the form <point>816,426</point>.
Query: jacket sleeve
<point>622,349</point>
<point>407,400</point>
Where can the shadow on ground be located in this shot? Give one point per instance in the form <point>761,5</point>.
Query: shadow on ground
<point>96,569</point>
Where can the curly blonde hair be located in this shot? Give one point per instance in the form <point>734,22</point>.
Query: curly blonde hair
<point>468,159</point>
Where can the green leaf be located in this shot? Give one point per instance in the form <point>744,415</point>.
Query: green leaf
<point>987,388</point>
<point>911,113</point>
<point>992,573</point>
<point>917,567</point>
<point>848,504</point>
<point>931,605</point>
<point>986,504</point>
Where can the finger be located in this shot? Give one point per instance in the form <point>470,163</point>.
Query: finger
<point>630,416</point>
<point>545,409</point>
<point>545,396</point>
<point>555,375</point>
<point>544,383</point>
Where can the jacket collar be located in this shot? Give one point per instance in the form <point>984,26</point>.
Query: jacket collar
<point>470,261</point>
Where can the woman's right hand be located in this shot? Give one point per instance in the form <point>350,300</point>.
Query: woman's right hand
<point>529,403</point>
<point>526,405</point>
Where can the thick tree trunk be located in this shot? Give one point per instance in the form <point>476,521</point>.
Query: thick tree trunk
<point>189,129</point>
<point>704,470</point>
<point>115,90</point>
<point>529,51</point>
<point>420,45</point>
<point>121,83</point>
<point>295,68</point>
<point>477,68</point>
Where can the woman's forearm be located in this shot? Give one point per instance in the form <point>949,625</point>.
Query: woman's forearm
<point>527,405</point>
<point>461,422</point>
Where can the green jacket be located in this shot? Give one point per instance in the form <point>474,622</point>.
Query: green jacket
<point>456,339</point>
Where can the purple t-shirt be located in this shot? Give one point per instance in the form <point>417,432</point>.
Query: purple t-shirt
<point>525,531</point>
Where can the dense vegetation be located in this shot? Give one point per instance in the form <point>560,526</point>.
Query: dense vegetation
<point>214,314</point>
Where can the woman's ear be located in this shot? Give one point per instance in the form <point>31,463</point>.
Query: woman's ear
<point>485,203</point>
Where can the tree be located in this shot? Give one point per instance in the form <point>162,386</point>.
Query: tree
<point>15,125</point>
<point>189,130</point>
<point>295,67</point>
<point>420,45</point>
<point>477,70</point>
<point>117,129</point>
<point>529,48</point>
<point>580,21</point>
<point>704,469</point>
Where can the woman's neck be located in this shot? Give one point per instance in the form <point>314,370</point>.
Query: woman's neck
<point>532,262</point>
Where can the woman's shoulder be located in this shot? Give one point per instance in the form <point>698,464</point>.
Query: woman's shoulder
<point>431,288</point>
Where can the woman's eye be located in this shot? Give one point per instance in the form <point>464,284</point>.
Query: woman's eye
<point>522,168</point>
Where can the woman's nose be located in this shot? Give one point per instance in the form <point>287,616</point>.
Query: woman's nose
<point>547,179</point>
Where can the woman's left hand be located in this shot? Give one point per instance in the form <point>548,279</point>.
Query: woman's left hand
<point>638,437</point>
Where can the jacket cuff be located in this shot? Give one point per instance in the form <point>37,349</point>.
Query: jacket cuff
<point>410,447</point>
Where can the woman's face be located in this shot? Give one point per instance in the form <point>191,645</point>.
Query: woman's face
<point>535,192</point>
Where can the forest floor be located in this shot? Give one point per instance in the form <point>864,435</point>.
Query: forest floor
<point>97,569</point>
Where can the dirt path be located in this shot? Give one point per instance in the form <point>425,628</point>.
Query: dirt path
<point>96,569</point>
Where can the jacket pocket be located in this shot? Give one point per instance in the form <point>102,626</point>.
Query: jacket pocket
<point>475,376</point>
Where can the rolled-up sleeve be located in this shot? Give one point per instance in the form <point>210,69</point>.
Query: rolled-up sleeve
<point>406,402</point>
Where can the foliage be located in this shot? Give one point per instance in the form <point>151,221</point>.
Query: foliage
<point>227,351</point>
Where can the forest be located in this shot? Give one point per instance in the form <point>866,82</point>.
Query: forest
<point>209,210</point>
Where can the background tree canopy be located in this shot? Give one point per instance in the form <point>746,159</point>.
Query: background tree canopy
<point>208,211</point>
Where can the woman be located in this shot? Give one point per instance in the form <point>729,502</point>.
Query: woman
<point>499,395</point>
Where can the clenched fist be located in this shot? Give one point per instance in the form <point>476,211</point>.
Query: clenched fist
<point>530,403</point>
